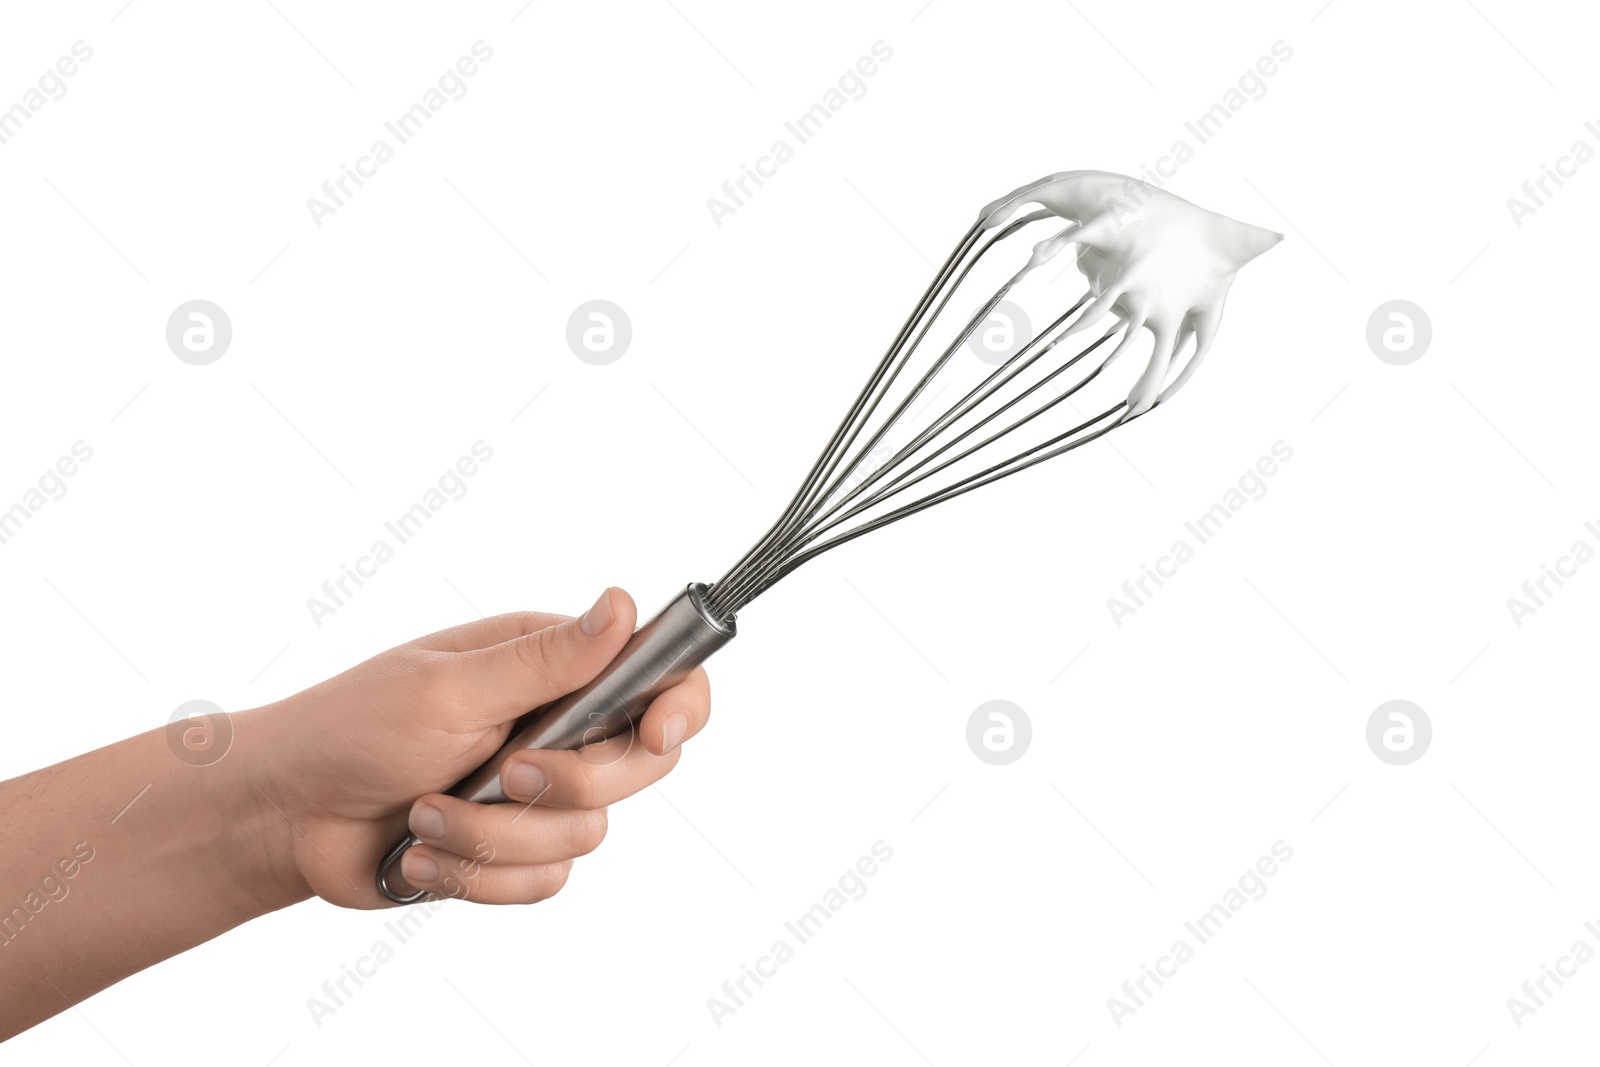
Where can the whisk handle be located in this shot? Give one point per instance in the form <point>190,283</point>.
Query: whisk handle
<point>658,656</point>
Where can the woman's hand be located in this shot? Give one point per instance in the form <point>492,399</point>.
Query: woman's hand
<point>135,851</point>
<point>350,763</point>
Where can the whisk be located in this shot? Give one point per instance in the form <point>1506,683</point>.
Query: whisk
<point>1153,262</point>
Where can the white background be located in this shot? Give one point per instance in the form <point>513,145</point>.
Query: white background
<point>1226,715</point>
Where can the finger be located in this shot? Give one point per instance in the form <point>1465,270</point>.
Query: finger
<point>447,875</point>
<point>678,714</point>
<point>511,834</point>
<point>507,834</point>
<point>586,778</point>
<point>489,631</point>
<point>597,775</point>
<point>530,670</point>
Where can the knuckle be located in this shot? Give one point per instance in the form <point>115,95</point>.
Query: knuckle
<point>586,829</point>
<point>433,678</point>
<point>464,873</point>
<point>671,760</point>
<point>540,651</point>
<point>551,879</point>
<point>586,789</point>
<point>521,622</point>
<point>466,824</point>
<point>599,751</point>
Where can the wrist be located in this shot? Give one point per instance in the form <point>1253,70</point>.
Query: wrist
<point>260,815</point>
<point>160,847</point>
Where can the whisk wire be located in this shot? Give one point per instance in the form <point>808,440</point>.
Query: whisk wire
<point>966,404</point>
<point>898,356</point>
<point>901,482</point>
<point>849,424</point>
<point>1012,465</point>
<point>815,519</point>
<point>972,324</point>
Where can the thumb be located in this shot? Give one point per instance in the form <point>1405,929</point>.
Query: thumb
<point>535,668</point>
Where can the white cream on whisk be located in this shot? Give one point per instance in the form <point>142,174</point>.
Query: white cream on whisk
<point>1152,259</point>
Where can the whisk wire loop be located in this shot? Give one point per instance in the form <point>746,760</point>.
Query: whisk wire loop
<point>838,491</point>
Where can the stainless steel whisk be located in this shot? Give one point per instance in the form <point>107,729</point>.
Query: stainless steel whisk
<point>853,488</point>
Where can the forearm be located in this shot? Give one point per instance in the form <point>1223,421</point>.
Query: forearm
<point>119,858</point>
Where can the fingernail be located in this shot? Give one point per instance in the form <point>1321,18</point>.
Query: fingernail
<point>672,733</point>
<point>418,869</point>
<point>427,822</point>
<point>526,780</point>
<point>597,618</point>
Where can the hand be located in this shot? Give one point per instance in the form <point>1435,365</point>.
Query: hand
<point>352,762</point>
